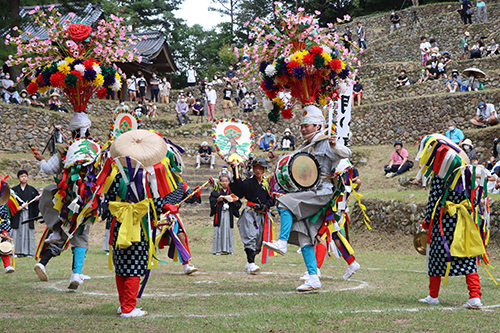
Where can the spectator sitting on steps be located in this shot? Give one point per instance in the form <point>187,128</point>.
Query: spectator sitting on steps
<point>492,49</point>
<point>468,147</point>
<point>357,91</point>
<point>394,21</point>
<point>398,162</point>
<point>454,134</point>
<point>454,83</point>
<point>485,115</point>
<point>472,84</point>
<point>402,79</point>
<point>205,155</point>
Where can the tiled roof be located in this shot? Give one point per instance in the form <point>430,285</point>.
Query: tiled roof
<point>88,14</point>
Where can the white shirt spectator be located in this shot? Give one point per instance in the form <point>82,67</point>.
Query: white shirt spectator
<point>211,96</point>
<point>490,109</point>
<point>191,75</point>
<point>132,84</point>
<point>425,47</point>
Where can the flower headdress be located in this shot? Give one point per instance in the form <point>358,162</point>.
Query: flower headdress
<point>74,57</point>
<point>300,58</point>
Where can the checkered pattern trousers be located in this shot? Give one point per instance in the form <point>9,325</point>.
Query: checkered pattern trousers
<point>437,256</point>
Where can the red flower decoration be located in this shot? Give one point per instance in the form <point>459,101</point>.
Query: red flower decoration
<point>57,79</point>
<point>39,79</point>
<point>77,73</point>
<point>79,32</point>
<point>336,65</point>
<point>308,59</point>
<point>32,88</point>
<point>89,63</point>
<point>291,65</point>
<point>287,113</point>
<point>101,93</point>
<point>316,50</point>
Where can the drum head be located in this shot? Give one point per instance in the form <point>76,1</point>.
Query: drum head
<point>5,248</point>
<point>305,171</point>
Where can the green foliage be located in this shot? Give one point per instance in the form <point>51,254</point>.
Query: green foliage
<point>226,55</point>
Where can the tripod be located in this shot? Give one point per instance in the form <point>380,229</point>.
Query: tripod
<point>415,24</point>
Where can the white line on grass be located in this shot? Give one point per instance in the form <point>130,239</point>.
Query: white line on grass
<point>362,285</point>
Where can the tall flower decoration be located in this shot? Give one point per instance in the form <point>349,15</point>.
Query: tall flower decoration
<point>75,57</point>
<point>298,57</point>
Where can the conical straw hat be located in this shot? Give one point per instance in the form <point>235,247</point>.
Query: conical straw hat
<point>140,145</point>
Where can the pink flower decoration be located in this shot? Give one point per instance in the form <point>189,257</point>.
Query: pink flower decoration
<point>301,9</point>
<point>317,12</point>
<point>339,20</point>
<point>347,17</point>
<point>51,7</point>
<point>15,28</point>
<point>72,15</point>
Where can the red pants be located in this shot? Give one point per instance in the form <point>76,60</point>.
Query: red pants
<point>128,287</point>
<point>321,253</point>
<point>6,260</point>
<point>471,279</point>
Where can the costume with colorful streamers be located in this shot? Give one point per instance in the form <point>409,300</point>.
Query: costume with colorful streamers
<point>457,216</point>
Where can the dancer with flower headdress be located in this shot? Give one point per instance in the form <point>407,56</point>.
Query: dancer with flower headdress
<point>80,62</point>
<point>303,60</point>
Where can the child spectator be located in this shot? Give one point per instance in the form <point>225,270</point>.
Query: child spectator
<point>442,68</point>
<point>250,102</point>
<point>143,87</point>
<point>454,83</point>
<point>425,50</point>
<point>140,109</point>
<point>122,107</point>
<point>357,91</point>
<point>402,79</point>
<point>198,109</point>
<point>190,100</point>
<point>132,88</point>
<point>151,109</point>
<point>464,46</point>
<point>447,57</point>
<point>55,104</point>
<point>227,93</point>
<point>24,98</point>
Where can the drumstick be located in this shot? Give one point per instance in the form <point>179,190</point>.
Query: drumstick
<point>189,196</point>
<point>32,147</point>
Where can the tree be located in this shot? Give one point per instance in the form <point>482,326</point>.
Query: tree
<point>144,15</point>
<point>228,9</point>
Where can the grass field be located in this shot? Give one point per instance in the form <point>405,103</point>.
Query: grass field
<point>382,296</point>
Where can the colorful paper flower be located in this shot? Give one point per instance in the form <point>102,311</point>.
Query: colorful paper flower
<point>57,79</point>
<point>79,32</point>
<point>32,88</point>
<point>287,113</point>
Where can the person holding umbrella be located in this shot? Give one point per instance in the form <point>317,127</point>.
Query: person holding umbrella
<point>472,84</point>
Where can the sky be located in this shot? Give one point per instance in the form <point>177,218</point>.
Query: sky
<point>196,12</point>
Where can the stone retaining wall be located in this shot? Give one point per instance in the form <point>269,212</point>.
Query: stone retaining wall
<point>447,31</point>
<point>394,216</point>
<point>406,120</point>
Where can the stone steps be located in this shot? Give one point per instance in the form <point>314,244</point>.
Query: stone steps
<point>408,118</point>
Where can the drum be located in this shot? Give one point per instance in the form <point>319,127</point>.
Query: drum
<point>298,172</point>
<point>6,248</point>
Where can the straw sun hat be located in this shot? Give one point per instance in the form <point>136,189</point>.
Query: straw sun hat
<point>140,145</point>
